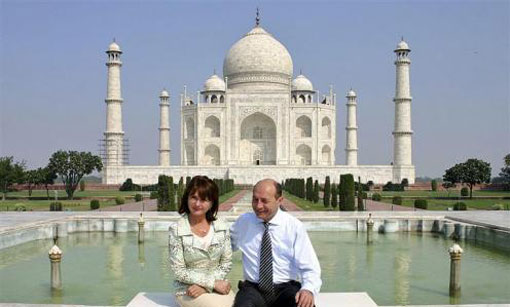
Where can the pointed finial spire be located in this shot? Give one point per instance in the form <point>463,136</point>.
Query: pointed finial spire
<point>402,38</point>
<point>214,71</point>
<point>257,19</point>
<point>114,39</point>
<point>300,71</point>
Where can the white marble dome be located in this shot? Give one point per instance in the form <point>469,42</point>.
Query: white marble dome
<point>402,45</point>
<point>114,47</point>
<point>351,93</point>
<point>301,83</point>
<point>258,57</point>
<point>214,83</point>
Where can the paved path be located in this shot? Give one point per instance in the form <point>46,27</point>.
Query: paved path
<point>229,203</point>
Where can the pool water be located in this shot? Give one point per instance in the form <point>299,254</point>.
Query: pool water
<point>396,269</point>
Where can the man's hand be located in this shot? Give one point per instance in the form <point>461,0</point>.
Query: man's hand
<point>195,291</point>
<point>304,298</point>
<point>222,286</point>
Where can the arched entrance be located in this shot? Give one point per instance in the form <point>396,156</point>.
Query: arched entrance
<point>258,140</point>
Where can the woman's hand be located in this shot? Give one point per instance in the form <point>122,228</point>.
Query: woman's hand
<point>195,291</point>
<point>222,286</point>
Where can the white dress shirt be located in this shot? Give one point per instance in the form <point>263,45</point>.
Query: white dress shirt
<point>293,254</point>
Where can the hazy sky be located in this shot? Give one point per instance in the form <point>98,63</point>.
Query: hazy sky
<point>53,76</point>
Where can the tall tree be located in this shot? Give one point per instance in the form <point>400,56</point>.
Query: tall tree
<point>316,191</point>
<point>471,172</point>
<point>71,166</point>
<point>505,171</point>
<point>32,179</point>
<point>334,196</point>
<point>48,177</point>
<point>327,192</point>
<point>10,173</point>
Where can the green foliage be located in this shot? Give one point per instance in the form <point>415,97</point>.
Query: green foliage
<point>316,191</point>
<point>420,203</point>
<point>180,192</point>
<point>433,185</point>
<point>370,184</point>
<point>171,194</point>
<point>128,185</point>
<point>397,200</point>
<point>47,176</point>
<point>188,180</point>
<point>94,204</point>
<point>119,200</point>
<point>163,197</point>
<point>82,185</point>
<point>20,207</point>
<point>309,188</point>
<point>464,192</point>
<point>56,206</point>
<point>459,206</point>
<point>497,207</point>
<point>71,166</point>
<point>404,182</point>
<point>347,193</point>
<point>138,197</point>
<point>395,187</point>
<point>334,196</point>
<point>154,195</point>
<point>327,192</point>
<point>10,173</point>
<point>359,195</point>
<point>376,197</point>
<point>471,172</point>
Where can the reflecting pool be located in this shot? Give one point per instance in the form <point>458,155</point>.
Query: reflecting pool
<point>396,269</point>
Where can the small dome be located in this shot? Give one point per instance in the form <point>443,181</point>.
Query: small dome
<point>402,46</point>
<point>114,47</point>
<point>351,93</point>
<point>214,83</point>
<point>164,94</point>
<point>301,83</point>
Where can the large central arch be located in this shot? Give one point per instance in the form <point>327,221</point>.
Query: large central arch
<point>258,140</point>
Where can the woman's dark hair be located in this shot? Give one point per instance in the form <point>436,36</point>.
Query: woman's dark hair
<point>206,189</point>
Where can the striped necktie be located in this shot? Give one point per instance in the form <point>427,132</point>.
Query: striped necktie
<point>266,266</point>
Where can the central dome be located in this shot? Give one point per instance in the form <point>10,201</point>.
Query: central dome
<point>258,57</point>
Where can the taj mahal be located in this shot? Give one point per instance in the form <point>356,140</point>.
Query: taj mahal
<point>258,121</point>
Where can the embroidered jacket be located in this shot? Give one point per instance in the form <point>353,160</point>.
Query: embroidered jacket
<point>192,264</point>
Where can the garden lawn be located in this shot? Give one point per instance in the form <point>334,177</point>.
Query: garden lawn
<point>77,194</point>
<point>455,193</point>
<point>228,195</point>
<point>305,204</point>
<point>44,205</point>
<point>443,204</point>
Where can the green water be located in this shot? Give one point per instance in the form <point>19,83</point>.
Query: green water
<point>397,269</point>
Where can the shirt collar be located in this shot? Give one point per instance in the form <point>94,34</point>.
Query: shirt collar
<point>276,220</point>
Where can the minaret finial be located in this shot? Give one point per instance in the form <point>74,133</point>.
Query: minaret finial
<point>214,71</point>
<point>114,39</point>
<point>257,19</point>
<point>402,38</point>
<point>300,71</point>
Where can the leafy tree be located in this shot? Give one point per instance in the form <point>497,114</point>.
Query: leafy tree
<point>327,192</point>
<point>71,166</point>
<point>162,193</point>
<point>360,195</point>
<point>505,171</point>
<point>10,173</point>
<point>48,177</point>
<point>471,172</point>
<point>347,197</point>
<point>447,185</point>
<point>405,182</point>
<point>309,188</point>
<point>171,194</point>
<point>180,192</point>
<point>32,178</point>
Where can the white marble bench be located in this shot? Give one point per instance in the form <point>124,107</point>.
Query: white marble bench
<point>351,299</point>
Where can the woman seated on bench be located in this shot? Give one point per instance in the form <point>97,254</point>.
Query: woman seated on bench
<point>200,251</point>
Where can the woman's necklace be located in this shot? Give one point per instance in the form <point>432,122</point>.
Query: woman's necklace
<point>200,230</point>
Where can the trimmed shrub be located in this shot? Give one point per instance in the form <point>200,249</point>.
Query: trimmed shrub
<point>459,206</point>
<point>138,197</point>
<point>404,182</point>
<point>327,192</point>
<point>20,207</point>
<point>464,192</point>
<point>154,195</point>
<point>94,204</point>
<point>376,197</point>
<point>82,185</point>
<point>347,195</point>
<point>309,188</point>
<point>420,203</point>
<point>171,194</point>
<point>397,200</point>
<point>334,196</point>
<point>128,185</point>
<point>396,187</point>
<point>364,195</point>
<point>316,191</point>
<point>119,200</point>
<point>56,206</point>
<point>433,185</point>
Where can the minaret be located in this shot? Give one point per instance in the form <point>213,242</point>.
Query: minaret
<point>402,133</point>
<point>351,130</point>
<point>114,135</point>
<point>164,129</point>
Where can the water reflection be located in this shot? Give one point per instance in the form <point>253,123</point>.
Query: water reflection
<point>401,266</point>
<point>141,255</point>
<point>114,267</point>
